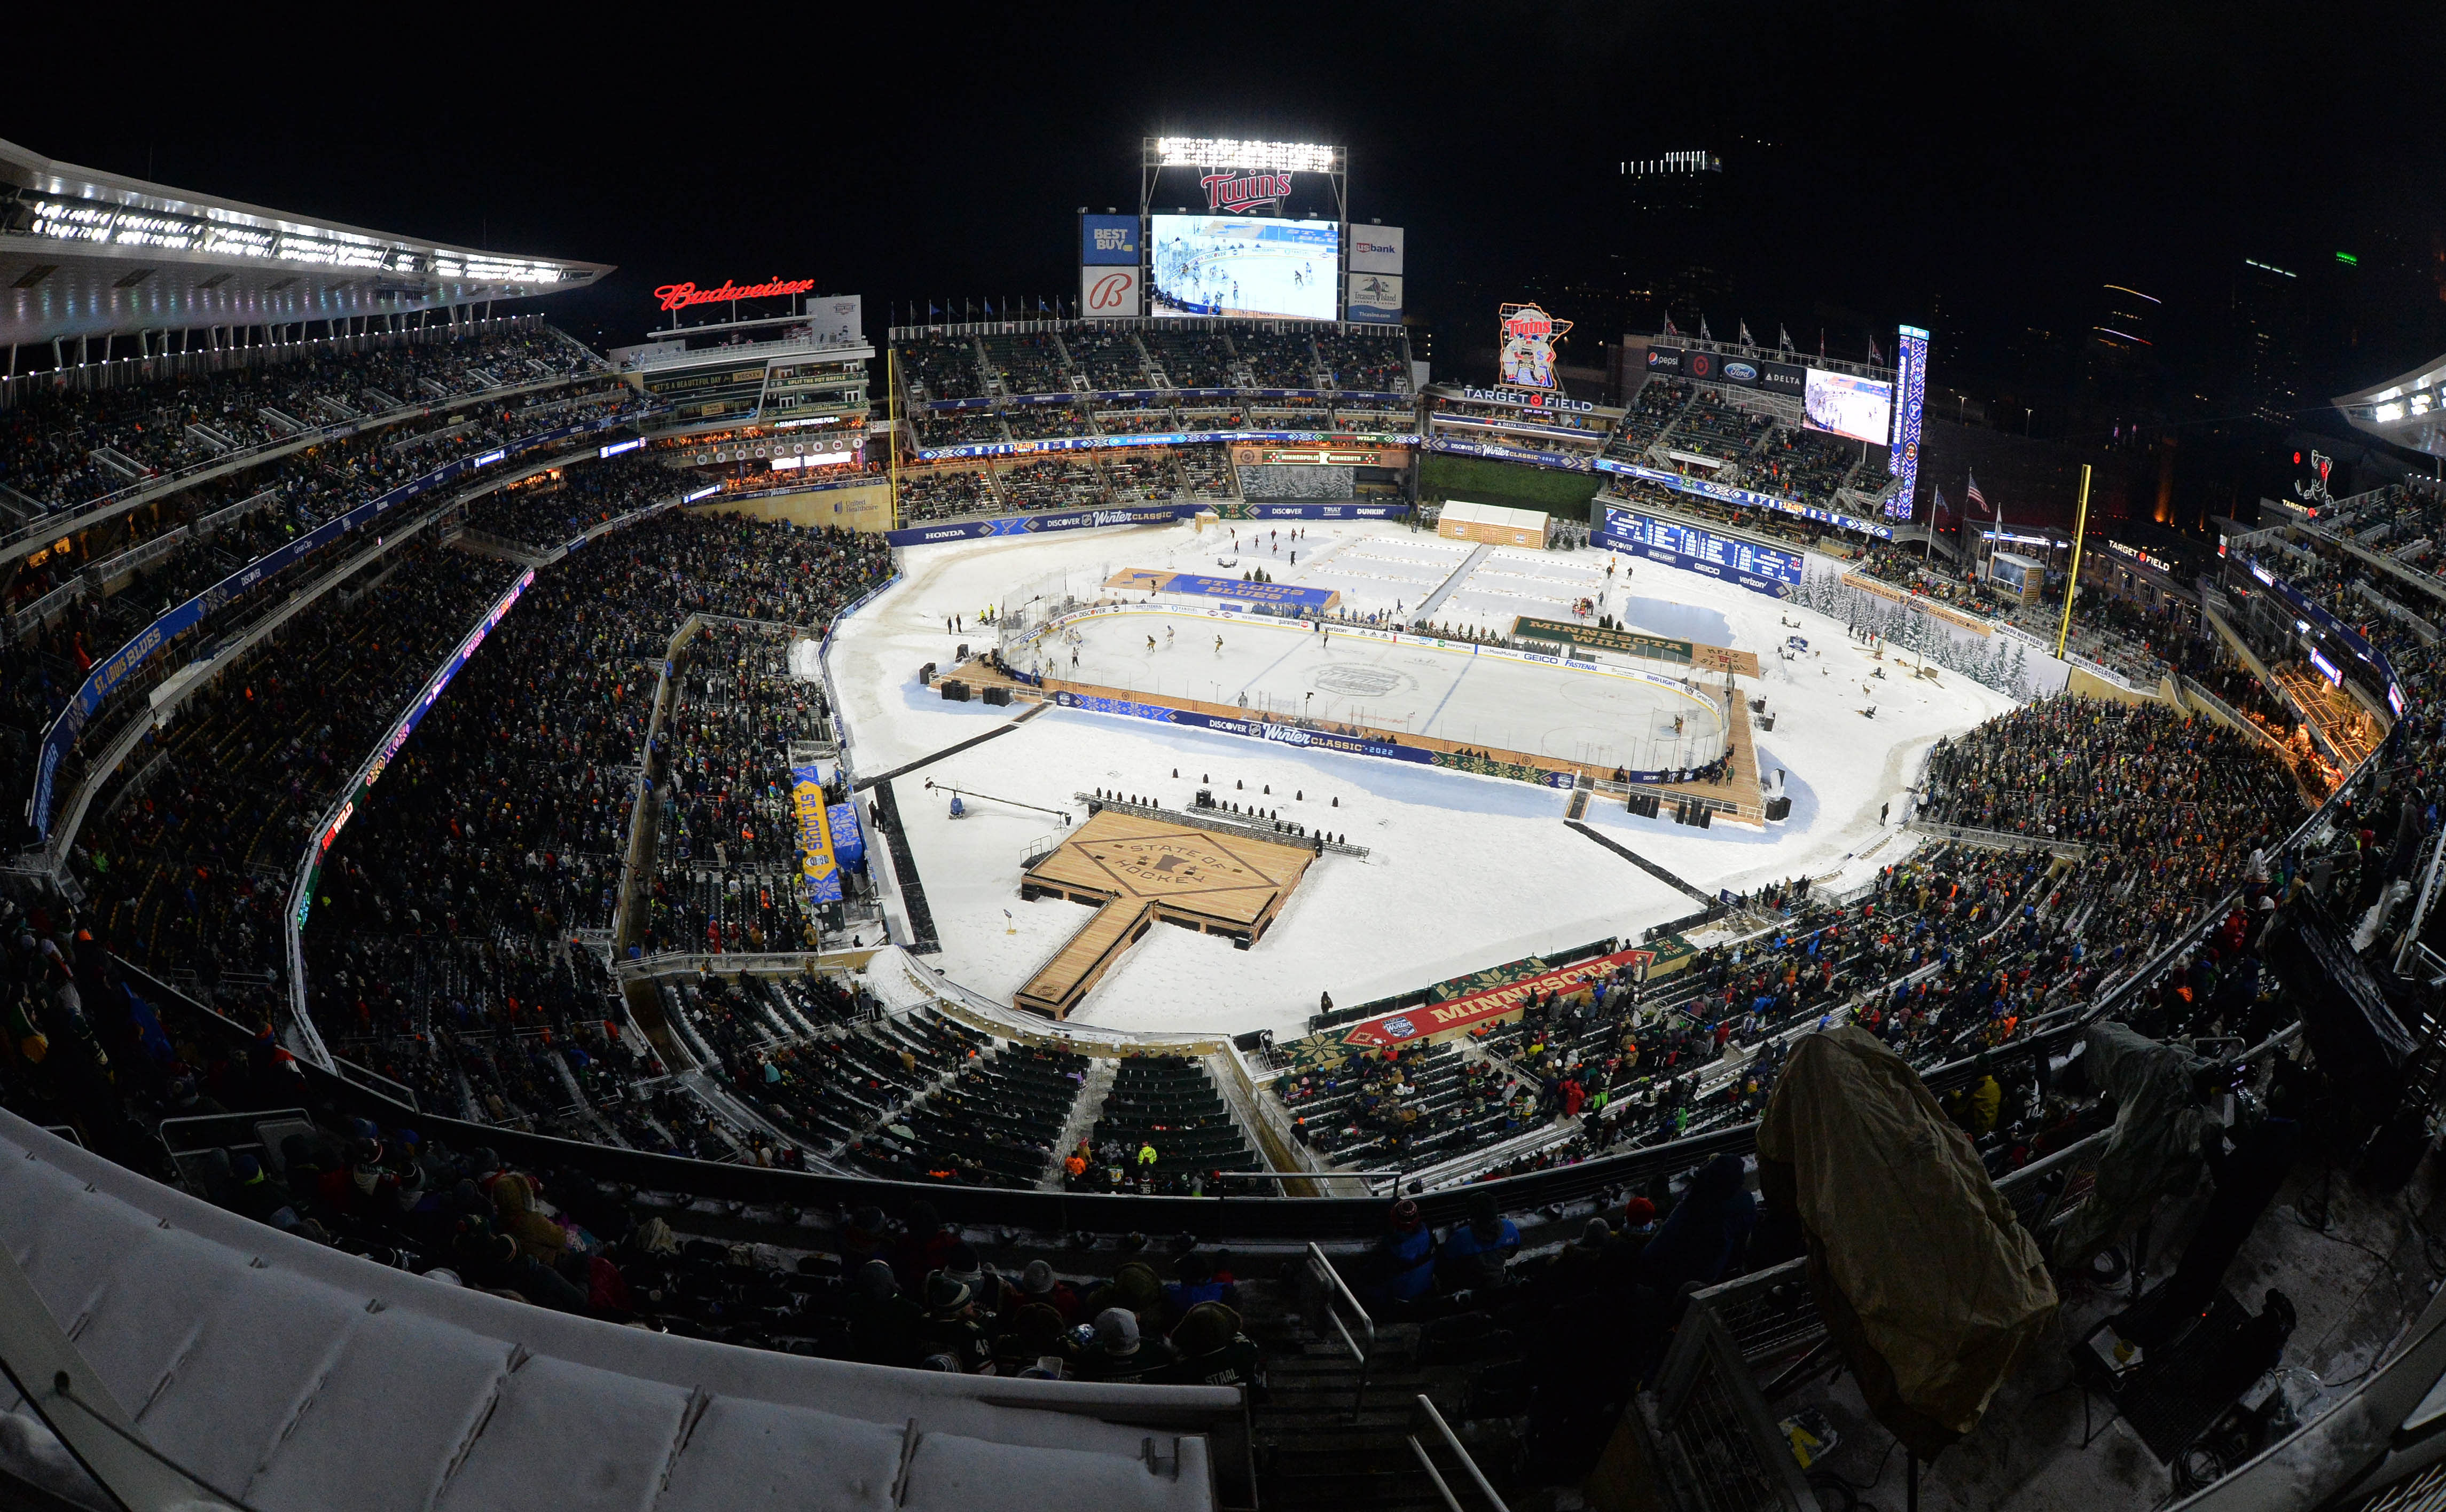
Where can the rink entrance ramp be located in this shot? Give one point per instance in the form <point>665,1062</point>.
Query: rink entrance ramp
<point>1139,871</point>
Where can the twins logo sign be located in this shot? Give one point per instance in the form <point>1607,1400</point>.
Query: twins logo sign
<point>1108,293</point>
<point>1236,194</point>
<point>1527,357</point>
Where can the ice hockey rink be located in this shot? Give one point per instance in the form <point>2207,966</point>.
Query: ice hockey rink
<point>1462,870</point>
<point>1601,716</point>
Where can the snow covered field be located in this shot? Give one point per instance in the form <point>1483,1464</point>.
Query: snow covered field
<point>1464,872</point>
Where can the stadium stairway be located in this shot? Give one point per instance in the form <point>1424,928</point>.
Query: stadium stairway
<point>1314,1452</point>
<point>1083,1114</point>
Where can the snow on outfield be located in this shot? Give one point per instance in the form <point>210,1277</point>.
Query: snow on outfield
<point>1468,872</point>
<point>1463,871</point>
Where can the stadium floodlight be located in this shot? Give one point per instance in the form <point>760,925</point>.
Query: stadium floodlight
<point>1227,152</point>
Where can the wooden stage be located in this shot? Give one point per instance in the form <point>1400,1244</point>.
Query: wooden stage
<point>1139,871</point>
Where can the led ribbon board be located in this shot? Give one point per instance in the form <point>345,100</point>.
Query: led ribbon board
<point>1911,383</point>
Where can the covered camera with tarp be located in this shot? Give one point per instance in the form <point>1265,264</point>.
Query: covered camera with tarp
<point>1929,1285</point>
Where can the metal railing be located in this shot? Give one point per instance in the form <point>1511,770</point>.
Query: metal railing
<point>1427,1415</point>
<point>1335,1293</point>
<point>1718,1444</point>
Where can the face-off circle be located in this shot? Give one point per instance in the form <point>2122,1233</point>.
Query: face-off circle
<point>1360,681</point>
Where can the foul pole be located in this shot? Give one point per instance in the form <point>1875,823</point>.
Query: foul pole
<point>2072,578</point>
<point>892,433</point>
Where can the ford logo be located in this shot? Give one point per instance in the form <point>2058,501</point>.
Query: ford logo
<point>1741,372</point>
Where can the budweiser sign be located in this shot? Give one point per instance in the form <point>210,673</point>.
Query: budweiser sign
<point>680,296</point>
<point>1237,194</point>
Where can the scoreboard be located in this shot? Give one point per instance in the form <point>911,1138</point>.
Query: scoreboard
<point>1701,550</point>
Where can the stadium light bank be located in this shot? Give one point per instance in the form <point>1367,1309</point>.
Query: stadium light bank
<point>1224,152</point>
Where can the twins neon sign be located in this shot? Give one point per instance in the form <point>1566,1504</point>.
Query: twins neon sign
<point>680,296</point>
<point>1239,193</point>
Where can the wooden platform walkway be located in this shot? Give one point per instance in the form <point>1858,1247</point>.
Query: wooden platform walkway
<point>1138,871</point>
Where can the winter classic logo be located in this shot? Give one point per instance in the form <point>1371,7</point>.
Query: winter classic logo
<point>1399,1029</point>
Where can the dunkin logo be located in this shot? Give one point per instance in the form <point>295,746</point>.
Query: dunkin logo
<point>1224,192</point>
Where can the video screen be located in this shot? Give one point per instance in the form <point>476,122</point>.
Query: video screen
<point>1228,265</point>
<point>1861,408</point>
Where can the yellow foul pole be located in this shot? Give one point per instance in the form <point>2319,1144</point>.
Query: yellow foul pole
<point>891,407</point>
<point>2072,579</point>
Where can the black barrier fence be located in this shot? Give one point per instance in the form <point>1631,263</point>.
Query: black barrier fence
<point>1689,921</point>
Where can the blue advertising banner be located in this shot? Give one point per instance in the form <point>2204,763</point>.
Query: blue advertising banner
<point>819,869</point>
<point>1034,524</point>
<point>1138,514</point>
<point>1726,493</point>
<point>1560,462</point>
<point>109,674</point>
<point>1328,511</point>
<point>1108,241</point>
<point>406,726</point>
<point>1756,568</point>
<point>849,843</point>
<point>1201,586</point>
<point>1094,444</point>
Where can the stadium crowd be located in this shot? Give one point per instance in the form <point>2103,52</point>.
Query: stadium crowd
<point>559,506</point>
<point>65,448</point>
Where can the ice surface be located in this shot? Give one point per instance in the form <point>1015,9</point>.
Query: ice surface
<point>1605,718</point>
<point>1465,871</point>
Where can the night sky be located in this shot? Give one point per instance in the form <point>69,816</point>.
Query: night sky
<point>1978,169</point>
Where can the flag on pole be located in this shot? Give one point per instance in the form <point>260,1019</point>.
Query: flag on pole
<point>1972,493</point>
<point>1746,334</point>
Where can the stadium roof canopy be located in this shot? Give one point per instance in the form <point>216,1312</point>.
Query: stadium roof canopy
<point>85,254</point>
<point>2409,411</point>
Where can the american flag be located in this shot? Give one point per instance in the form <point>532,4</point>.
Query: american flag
<point>1973,494</point>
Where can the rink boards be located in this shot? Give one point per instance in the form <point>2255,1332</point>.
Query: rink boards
<point>1360,740</point>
